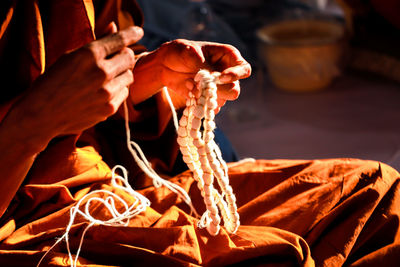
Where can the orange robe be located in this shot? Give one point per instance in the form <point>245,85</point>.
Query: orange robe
<point>293,212</point>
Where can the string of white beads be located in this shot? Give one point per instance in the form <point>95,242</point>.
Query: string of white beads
<point>203,157</point>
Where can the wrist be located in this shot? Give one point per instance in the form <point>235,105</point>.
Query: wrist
<point>29,142</point>
<point>147,77</point>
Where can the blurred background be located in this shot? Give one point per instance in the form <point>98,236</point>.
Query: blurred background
<point>326,74</point>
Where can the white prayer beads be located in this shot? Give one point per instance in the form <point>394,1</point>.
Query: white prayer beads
<point>203,157</point>
<point>200,153</point>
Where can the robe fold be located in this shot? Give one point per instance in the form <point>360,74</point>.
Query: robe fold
<point>330,212</point>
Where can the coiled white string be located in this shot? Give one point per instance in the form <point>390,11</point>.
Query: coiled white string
<point>117,218</point>
<point>210,219</point>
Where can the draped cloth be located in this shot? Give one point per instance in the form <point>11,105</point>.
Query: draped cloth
<point>293,212</point>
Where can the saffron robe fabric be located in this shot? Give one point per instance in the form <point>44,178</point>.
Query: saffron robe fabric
<point>293,212</point>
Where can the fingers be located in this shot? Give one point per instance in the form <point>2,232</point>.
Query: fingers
<point>119,63</point>
<point>182,56</point>
<point>193,55</point>
<point>191,87</point>
<point>116,91</point>
<point>225,92</point>
<point>113,87</point>
<point>227,60</point>
<point>113,43</point>
<point>119,99</point>
<point>111,107</point>
<point>182,83</point>
<point>228,91</point>
<point>182,59</point>
<point>240,71</point>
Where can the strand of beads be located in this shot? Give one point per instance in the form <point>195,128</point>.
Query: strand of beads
<point>203,157</point>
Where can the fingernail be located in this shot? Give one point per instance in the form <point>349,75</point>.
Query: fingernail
<point>114,27</point>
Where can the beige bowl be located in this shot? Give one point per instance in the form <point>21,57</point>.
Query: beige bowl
<point>302,55</point>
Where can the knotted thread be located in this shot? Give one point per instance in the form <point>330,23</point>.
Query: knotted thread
<point>109,202</point>
<point>203,156</point>
<point>200,153</point>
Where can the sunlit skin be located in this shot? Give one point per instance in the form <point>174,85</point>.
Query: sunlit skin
<point>176,63</point>
<point>95,80</point>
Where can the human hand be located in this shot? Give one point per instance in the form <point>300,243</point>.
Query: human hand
<point>181,60</point>
<point>83,87</point>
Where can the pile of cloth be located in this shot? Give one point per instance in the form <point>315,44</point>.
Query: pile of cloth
<point>293,212</point>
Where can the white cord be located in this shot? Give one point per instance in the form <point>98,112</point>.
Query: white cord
<point>117,218</point>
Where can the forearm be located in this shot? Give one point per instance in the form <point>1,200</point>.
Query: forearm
<point>19,144</point>
<point>14,166</point>
<point>147,78</point>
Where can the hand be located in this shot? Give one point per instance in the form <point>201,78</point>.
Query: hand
<point>181,59</point>
<point>82,88</point>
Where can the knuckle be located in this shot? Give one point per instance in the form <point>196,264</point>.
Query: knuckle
<point>106,94</point>
<point>103,70</point>
<point>89,52</point>
<point>179,41</point>
<point>123,38</point>
<point>248,70</point>
<point>110,108</point>
<point>101,74</point>
<point>131,55</point>
<point>99,67</point>
<point>104,118</point>
<point>231,47</point>
<point>129,75</point>
<point>177,44</point>
<point>125,92</point>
